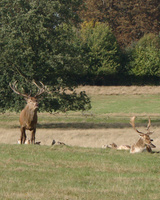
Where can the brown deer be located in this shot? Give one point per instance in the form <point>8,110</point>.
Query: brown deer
<point>145,142</point>
<point>28,116</point>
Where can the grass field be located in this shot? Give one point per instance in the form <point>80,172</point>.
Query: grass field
<point>113,109</point>
<point>140,104</point>
<point>62,172</point>
<point>76,173</point>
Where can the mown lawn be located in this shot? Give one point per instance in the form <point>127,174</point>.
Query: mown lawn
<point>62,172</point>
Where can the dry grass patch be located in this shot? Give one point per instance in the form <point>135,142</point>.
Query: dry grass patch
<point>120,90</point>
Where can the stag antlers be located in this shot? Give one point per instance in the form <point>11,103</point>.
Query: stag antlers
<point>41,90</point>
<point>132,122</point>
<point>14,88</point>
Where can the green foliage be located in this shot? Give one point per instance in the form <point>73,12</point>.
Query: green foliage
<point>146,56</point>
<point>102,53</point>
<point>37,45</point>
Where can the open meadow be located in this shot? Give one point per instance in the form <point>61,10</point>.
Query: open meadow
<point>81,169</point>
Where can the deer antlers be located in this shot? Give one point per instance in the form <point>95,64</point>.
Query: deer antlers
<point>41,89</point>
<point>148,126</point>
<point>14,88</point>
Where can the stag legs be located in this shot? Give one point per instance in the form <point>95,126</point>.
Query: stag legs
<point>23,135</point>
<point>33,136</point>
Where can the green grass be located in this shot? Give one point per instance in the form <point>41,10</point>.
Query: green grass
<point>62,172</point>
<point>107,111</point>
<point>103,104</point>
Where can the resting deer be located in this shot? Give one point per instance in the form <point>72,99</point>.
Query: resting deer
<point>145,142</point>
<point>114,146</point>
<point>28,116</point>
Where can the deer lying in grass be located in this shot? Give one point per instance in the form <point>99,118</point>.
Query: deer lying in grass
<point>114,146</point>
<point>145,142</point>
<point>121,147</point>
<point>28,116</point>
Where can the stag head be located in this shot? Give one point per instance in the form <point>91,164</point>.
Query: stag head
<point>32,101</point>
<point>145,136</point>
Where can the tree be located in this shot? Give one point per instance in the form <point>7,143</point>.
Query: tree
<point>37,45</point>
<point>145,56</point>
<point>128,19</point>
<point>101,51</point>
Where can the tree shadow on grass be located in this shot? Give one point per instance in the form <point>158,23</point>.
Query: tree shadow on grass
<point>82,125</point>
<point>86,125</point>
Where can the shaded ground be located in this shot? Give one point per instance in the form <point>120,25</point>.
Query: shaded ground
<point>91,136</point>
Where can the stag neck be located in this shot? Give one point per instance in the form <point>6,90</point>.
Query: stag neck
<point>140,143</point>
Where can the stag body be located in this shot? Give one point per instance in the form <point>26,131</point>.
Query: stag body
<point>28,119</point>
<point>28,116</point>
<point>145,142</point>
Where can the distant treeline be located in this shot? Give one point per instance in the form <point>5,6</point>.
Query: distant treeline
<point>106,63</point>
<point>129,20</point>
<point>136,27</point>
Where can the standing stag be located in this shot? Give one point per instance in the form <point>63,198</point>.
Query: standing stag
<point>145,142</point>
<point>28,116</point>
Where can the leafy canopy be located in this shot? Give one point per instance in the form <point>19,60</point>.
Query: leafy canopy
<point>37,45</point>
